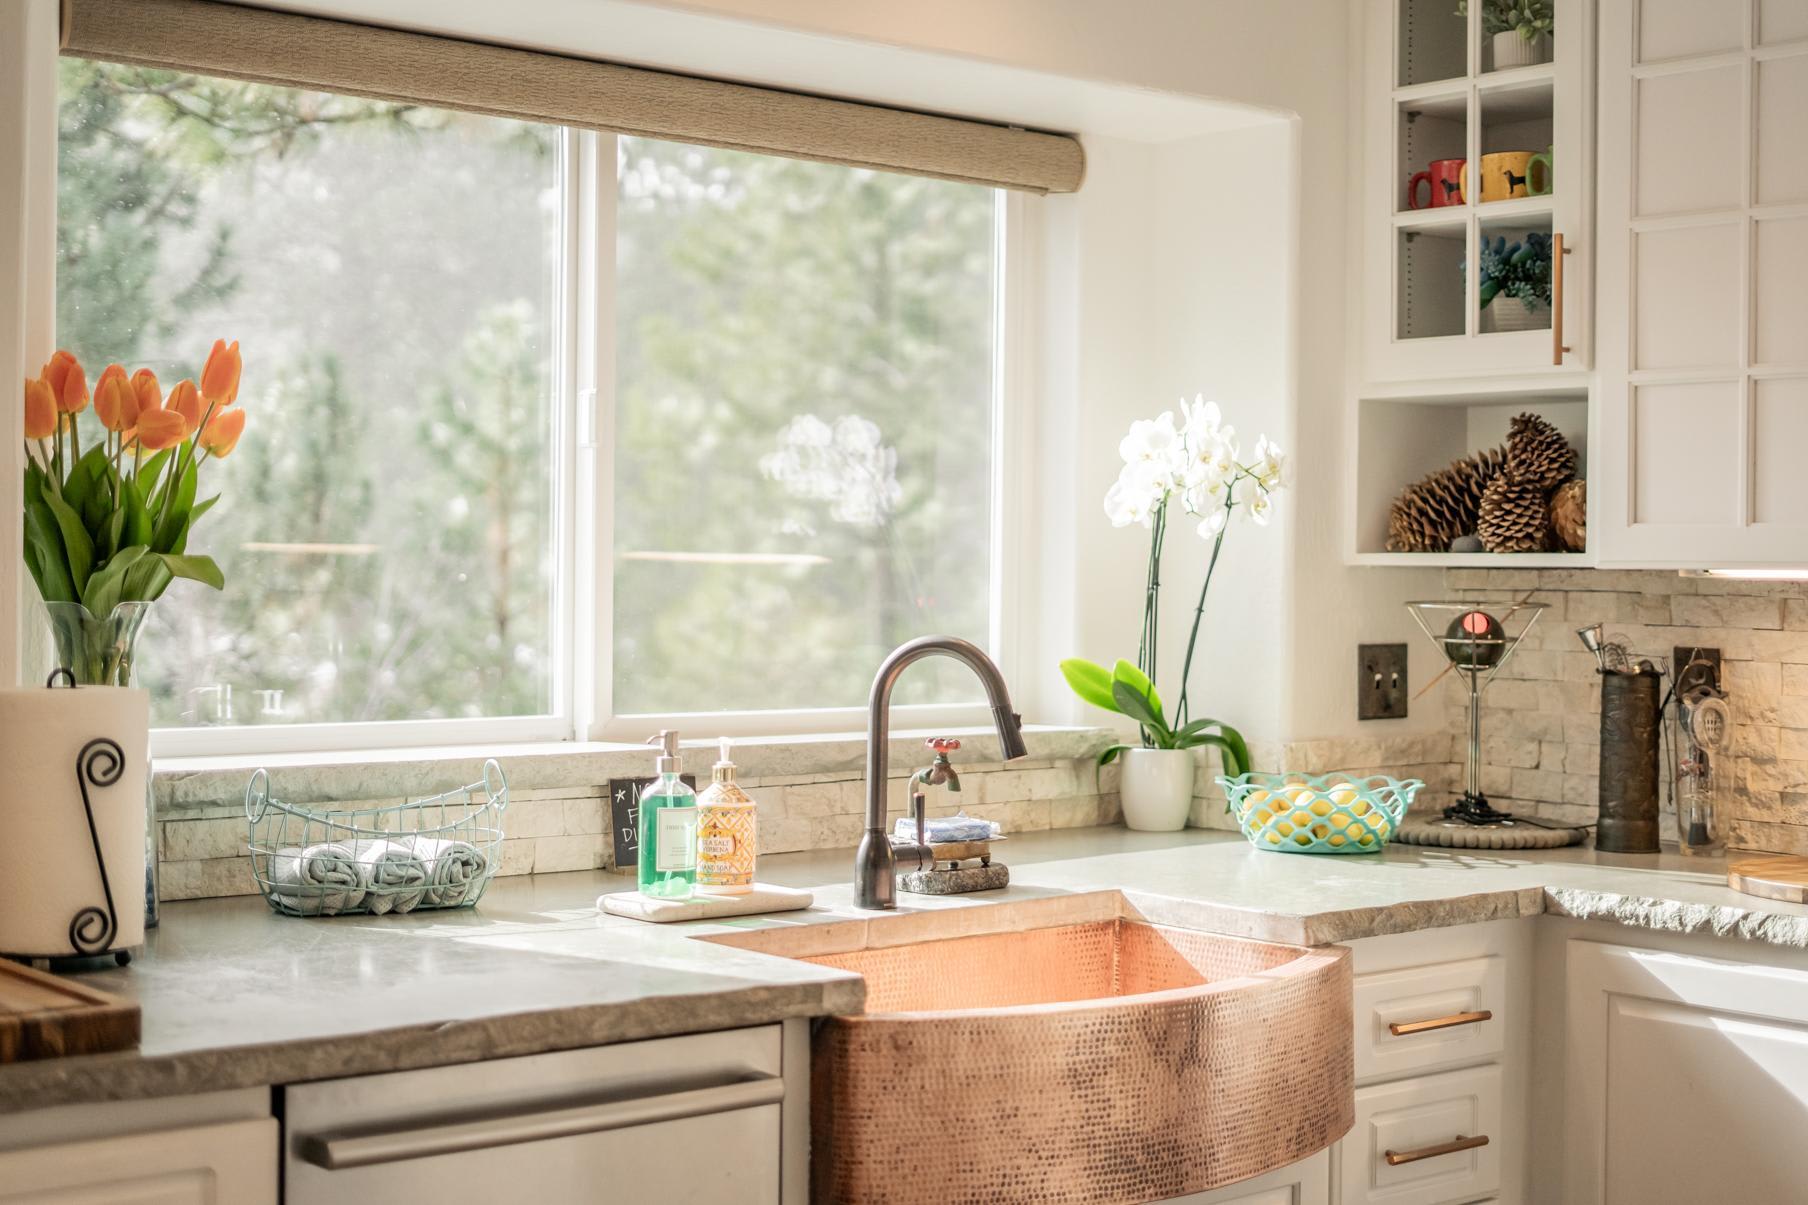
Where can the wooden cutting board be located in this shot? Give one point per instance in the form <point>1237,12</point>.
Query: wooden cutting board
<point>1771,877</point>
<point>46,1016</point>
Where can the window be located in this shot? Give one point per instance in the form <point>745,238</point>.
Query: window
<point>804,411</point>
<point>799,472</point>
<point>389,272</point>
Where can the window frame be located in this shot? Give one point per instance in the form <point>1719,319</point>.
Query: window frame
<point>583,516</point>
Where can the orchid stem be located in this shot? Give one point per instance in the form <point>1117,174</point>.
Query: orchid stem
<point>1186,666</point>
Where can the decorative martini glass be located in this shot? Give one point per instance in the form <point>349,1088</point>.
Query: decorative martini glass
<point>1476,644</point>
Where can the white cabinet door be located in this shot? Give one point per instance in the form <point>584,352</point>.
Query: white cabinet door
<point>1702,249</point>
<point>1688,1079</point>
<point>1430,94</point>
<point>229,1164</point>
<point>1307,1182</point>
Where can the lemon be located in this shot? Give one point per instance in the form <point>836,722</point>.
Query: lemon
<point>1302,838</point>
<point>1274,838</point>
<point>1257,797</point>
<point>1344,796</point>
<point>1282,827</point>
<point>1261,817</point>
<point>1321,807</point>
<point>1339,820</point>
<point>1296,792</point>
<point>1360,807</point>
<point>1366,839</point>
<point>1338,838</point>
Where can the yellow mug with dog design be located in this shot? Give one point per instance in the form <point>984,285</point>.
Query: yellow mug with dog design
<point>1510,174</point>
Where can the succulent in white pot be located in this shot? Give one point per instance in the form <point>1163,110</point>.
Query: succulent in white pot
<point>1519,31</point>
<point>1190,468</point>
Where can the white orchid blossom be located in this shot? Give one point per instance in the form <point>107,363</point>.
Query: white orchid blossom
<point>1196,462</point>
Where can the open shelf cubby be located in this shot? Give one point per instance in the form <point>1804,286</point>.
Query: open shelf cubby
<point>1401,439</point>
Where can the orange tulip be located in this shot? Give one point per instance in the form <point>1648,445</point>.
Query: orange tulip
<point>220,376</point>
<point>40,409</point>
<point>115,401</point>
<point>149,393</point>
<point>223,431</point>
<point>186,401</point>
<point>160,429</point>
<point>68,382</point>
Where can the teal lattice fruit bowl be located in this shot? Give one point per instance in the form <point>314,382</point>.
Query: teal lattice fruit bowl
<point>1333,813</point>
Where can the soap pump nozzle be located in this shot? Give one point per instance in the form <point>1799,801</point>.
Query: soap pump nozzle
<point>667,762</point>
<point>724,769</point>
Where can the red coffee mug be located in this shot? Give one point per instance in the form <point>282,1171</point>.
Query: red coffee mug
<point>1444,179</point>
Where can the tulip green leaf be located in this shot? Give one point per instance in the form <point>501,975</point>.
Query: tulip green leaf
<point>1089,680</point>
<point>76,542</point>
<point>195,568</point>
<point>41,530</point>
<point>106,588</point>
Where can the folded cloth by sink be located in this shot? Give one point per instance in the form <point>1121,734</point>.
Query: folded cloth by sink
<point>317,880</point>
<point>395,878</point>
<point>454,868</point>
<point>942,829</point>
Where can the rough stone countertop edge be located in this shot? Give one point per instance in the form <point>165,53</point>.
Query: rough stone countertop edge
<point>1752,924</point>
<point>130,1075</point>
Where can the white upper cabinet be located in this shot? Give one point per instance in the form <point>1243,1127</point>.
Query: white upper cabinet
<point>1702,254</point>
<point>1475,149</point>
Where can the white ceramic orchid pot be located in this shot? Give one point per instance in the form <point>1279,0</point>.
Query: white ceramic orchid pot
<point>1156,788</point>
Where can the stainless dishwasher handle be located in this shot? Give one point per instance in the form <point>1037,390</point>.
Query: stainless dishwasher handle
<point>392,1146</point>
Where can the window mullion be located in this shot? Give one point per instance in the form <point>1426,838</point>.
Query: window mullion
<point>596,379</point>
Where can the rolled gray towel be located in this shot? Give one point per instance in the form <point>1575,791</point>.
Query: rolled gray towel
<point>395,878</point>
<point>317,880</point>
<point>454,868</point>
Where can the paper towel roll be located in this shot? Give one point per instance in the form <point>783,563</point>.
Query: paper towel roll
<point>54,900</point>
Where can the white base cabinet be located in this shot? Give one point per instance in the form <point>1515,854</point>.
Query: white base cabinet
<point>1687,1078</point>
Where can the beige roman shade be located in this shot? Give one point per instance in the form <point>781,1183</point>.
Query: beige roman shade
<point>241,42</point>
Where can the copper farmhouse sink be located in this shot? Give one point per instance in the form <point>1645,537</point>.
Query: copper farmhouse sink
<point>1097,1059</point>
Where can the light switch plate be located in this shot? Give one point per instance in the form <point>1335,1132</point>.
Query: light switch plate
<point>1381,681</point>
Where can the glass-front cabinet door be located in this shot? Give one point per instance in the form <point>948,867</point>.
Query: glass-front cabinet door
<point>1475,171</point>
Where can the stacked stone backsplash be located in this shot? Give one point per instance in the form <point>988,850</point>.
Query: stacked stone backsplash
<point>1541,717</point>
<point>551,828</point>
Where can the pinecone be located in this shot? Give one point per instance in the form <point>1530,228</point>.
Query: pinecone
<point>1569,515</point>
<point>1428,515</point>
<point>1538,454</point>
<point>1515,516</point>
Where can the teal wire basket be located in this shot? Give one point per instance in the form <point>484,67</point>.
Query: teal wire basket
<point>1334,813</point>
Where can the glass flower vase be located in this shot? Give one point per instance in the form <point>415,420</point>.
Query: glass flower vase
<point>103,652</point>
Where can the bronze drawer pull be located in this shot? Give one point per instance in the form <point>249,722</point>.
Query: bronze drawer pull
<point>1401,1028</point>
<point>1459,1143</point>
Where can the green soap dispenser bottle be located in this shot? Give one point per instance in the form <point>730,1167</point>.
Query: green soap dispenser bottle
<point>668,827</point>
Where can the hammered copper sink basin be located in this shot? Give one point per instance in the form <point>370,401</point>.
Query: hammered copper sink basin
<point>1090,1058</point>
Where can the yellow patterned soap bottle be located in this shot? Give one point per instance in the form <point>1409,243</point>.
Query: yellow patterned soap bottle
<point>726,828</point>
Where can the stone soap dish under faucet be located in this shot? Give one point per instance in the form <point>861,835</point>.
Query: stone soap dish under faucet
<point>957,849</point>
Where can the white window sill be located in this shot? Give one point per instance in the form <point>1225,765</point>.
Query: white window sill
<point>206,784</point>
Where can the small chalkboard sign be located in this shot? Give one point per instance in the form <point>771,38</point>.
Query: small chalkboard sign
<point>624,816</point>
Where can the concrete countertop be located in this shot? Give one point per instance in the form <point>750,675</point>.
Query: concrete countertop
<point>235,996</point>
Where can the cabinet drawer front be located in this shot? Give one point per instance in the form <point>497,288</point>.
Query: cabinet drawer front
<point>1425,1017</point>
<point>717,1159</point>
<point>1416,1141</point>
